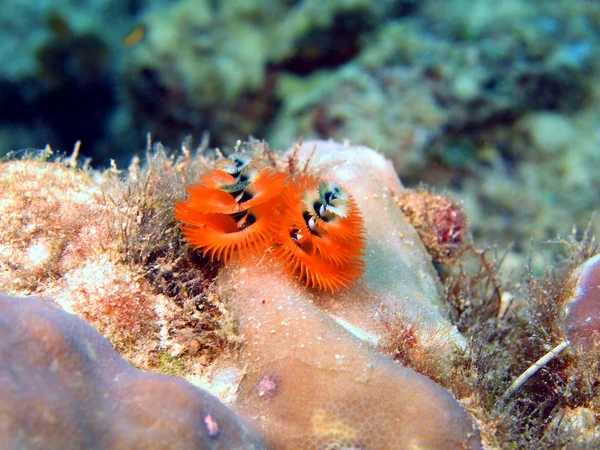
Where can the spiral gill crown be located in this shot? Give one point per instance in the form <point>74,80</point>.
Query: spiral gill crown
<point>242,208</point>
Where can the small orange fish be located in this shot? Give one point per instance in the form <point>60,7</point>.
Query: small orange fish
<point>135,36</point>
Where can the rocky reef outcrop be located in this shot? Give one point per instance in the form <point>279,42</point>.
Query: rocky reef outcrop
<point>424,347</point>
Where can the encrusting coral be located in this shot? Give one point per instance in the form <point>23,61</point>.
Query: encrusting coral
<point>439,220</point>
<point>309,383</point>
<point>93,244</point>
<point>270,337</point>
<point>399,279</point>
<point>63,386</point>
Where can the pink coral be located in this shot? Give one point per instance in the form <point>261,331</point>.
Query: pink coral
<point>582,320</point>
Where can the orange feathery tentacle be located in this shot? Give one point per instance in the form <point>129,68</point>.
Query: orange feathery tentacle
<point>234,163</point>
<point>268,185</point>
<point>233,185</point>
<point>250,187</point>
<point>216,179</point>
<point>333,211</point>
<point>299,260</point>
<point>192,216</point>
<point>223,237</point>
<point>318,258</point>
<point>342,228</point>
<point>209,200</point>
<point>335,251</point>
<point>241,208</point>
<point>333,218</point>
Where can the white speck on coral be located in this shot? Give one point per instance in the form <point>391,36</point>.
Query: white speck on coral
<point>38,254</point>
<point>176,350</point>
<point>363,335</point>
<point>224,384</point>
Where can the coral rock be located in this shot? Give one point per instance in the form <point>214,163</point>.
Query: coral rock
<point>310,384</point>
<point>399,280</point>
<point>310,374</point>
<point>63,386</point>
<point>58,239</point>
<point>439,220</point>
